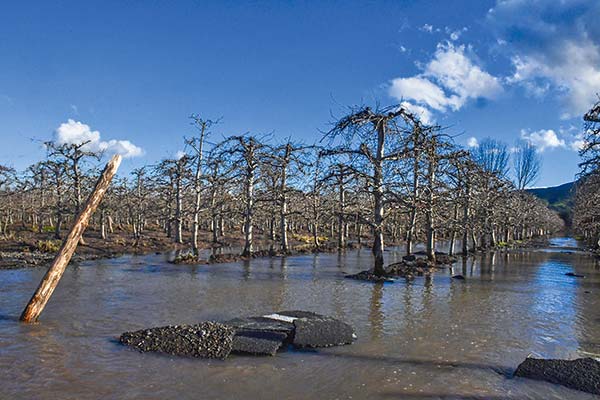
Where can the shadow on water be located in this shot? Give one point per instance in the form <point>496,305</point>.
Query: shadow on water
<point>439,365</point>
<point>443,396</point>
<point>14,318</point>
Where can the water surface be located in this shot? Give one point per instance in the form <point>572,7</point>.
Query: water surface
<point>425,339</point>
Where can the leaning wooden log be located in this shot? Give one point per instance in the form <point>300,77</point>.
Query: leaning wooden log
<point>50,281</point>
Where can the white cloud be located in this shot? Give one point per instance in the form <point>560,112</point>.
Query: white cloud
<point>448,81</point>
<point>422,91</point>
<point>472,142</point>
<point>455,35</point>
<point>427,28</point>
<point>554,46</point>
<point>577,144</point>
<point>424,115</point>
<point>456,72</point>
<point>543,139</point>
<point>179,155</point>
<point>75,132</point>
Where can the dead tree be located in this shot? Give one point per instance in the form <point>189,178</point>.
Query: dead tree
<point>526,165</point>
<point>245,154</point>
<point>366,134</point>
<point>289,160</point>
<point>196,144</point>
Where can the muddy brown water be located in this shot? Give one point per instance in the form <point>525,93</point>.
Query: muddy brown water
<point>425,339</point>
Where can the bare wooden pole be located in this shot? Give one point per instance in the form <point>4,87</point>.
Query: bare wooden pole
<point>50,281</point>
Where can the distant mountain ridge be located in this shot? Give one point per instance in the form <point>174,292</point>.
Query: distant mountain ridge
<point>559,198</point>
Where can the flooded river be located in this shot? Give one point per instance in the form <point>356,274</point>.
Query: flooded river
<point>425,339</point>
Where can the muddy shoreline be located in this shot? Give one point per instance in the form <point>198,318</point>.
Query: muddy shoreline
<point>24,251</point>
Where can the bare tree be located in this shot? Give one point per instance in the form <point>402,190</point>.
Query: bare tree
<point>493,156</point>
<point>246,153</point>
<point>196,144</point>
<point>526,164</point>
<point>366,133</point>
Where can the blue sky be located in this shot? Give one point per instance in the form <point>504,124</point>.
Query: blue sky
<point>134,71</point>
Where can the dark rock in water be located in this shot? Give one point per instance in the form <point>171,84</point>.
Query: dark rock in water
<point>422,263</point>
<point>408,269</point>
<point>459,277</point>
<point>423,253</point>
<point>254,335</point>
<point>410,257</point>
<point>444,259</point>
<point>300,314</point>
<point>575,275</point>
<point>321,332</point>
<point>206,340</point>
<point>369,276</point>
<point>581,374</point>
<point>264,325</point>
<point>258,342</point>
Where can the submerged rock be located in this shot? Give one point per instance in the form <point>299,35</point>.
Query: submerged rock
<point>410,269</point>
<point>369,276</point>
<point>206,340</point>
<point>459,277</point>
<point>263,335</point>
<point>321,331</point>
<point>262,324</point>
<point>258,342</point>
<point>299,314</point>
<point>581,374</point>
<point>575,275</point>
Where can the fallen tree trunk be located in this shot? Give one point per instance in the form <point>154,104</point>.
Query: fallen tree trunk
<point>50,281</point>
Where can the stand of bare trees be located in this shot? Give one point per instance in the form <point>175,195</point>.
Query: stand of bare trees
<point>379,176</point>
<point>586,218</point>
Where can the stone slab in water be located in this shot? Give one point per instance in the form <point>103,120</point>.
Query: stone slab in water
<point>300,314</point>
<point>205,340</point>
<point>257,342</point>
<point>261,324</point>
<point>321,332</point>
<point>581,374</point>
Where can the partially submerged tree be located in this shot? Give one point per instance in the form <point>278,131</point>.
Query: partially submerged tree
<point>197,144</point>
<point>372,138</point>
<point>245,153</point>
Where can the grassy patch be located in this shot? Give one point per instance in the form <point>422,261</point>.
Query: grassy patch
<point>48,246</point>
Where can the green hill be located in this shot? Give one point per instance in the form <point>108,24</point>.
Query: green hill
<point>559,198</point>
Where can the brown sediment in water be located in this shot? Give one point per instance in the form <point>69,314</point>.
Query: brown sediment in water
<point>446,338</point>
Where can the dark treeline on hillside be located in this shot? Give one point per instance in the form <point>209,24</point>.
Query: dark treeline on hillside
<point>378,176</point>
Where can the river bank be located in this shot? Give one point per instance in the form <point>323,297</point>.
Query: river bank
<point>25,249</point>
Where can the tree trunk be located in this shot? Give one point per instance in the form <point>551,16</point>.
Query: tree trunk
<point>249,212</point>
<point>378,210</point>
<point>340,225</point>
<point>429,214</point>
<point>41,296</point>
<point>179,210</point>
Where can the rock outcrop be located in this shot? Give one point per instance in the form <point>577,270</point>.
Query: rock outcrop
<point>263,335</point>
<point>581,374</point>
